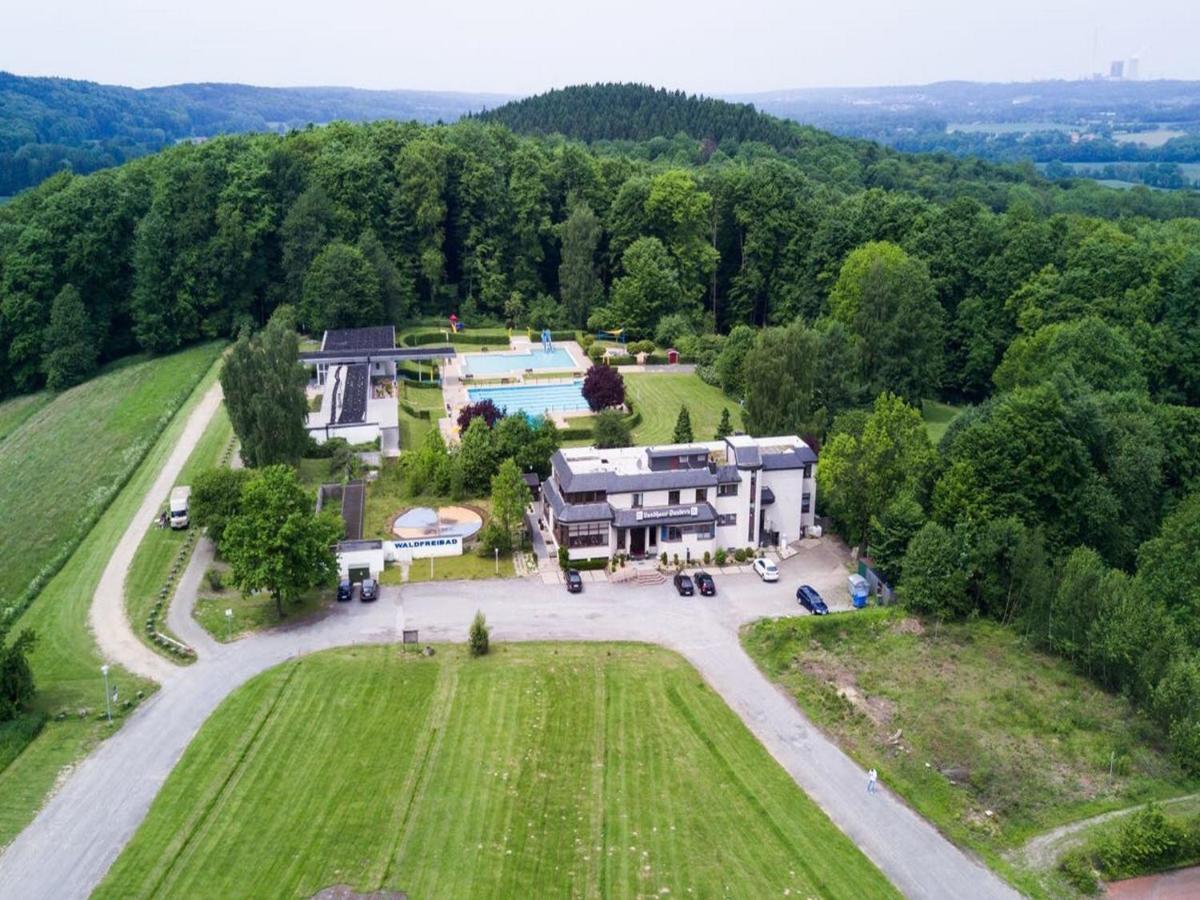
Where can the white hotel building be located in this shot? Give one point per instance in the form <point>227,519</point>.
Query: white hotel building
<point>681,499</point>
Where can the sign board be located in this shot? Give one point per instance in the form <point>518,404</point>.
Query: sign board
<point>647,515</point>
<point>410,636</point>
<point>423,548</point>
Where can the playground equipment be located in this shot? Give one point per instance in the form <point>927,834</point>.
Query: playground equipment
<point>547,340</point>
<point>455,325</point>
<point>615,334</point>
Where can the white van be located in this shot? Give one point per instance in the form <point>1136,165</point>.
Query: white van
<point>179,507</point>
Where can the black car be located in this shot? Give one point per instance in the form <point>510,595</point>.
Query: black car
<point>684,585</point>
<point>345,591</point>
<point>811,600</point>
<point>574,582</point>
<point>369,590</point>
<point>705,584</point>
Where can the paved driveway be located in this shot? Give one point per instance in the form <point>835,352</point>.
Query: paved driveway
<point>70,845</point>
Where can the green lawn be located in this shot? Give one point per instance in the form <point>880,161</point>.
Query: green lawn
<point>541,770</point>
<point>15,411</point>
<point>658,398</point>
<point>152,562</point>
<point>469,566</point>
<point>66,663</point>
<point>61,467</point>
<point>938,417</point>
<point>250,613</point>
<point>985,723</point>
<point>414,428</point>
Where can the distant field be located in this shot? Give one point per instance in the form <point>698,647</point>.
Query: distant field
<point>542,770</point>
<point>658,398</point>
<point>65,461</point>
<point>1153,138</point>
<point>1006,127</point>
<point>987,738</point>
<point>938,417</point>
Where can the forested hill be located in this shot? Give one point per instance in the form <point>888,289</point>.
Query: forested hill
<point>638,112</point>
<point>50,124</point>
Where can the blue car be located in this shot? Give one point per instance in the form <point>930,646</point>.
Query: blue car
<point>811,600</point>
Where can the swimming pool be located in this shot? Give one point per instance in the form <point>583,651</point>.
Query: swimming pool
<point>503,363</point>
<point>533,399</point>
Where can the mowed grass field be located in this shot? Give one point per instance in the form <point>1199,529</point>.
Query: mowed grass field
<point>66,663</point>
<point>658,396</point>
<point>997,742</point>
<point>64,463</point>
<point>540,770</point>
<point>152,562</point>
<point>16,410</point>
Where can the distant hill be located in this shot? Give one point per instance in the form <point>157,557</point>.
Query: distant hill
<point>638,112</point>
<point>47,124</point>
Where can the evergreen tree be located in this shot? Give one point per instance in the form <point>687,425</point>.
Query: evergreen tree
<point>578,282</point>
<point>264,387</point>
<point>71,350</point>
<point>683,427</point>
<point>724,427</point>
<point>479,635</point>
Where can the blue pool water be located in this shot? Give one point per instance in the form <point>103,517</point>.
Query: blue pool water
<point>503,363</point>
<point>532,399</point>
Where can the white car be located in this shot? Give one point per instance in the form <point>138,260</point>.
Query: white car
<point>766,569</point>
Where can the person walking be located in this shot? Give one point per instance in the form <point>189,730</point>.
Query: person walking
<point>872,777</point>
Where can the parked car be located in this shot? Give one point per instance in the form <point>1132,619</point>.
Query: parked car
<point>766,569</point>
<point>369,590</point>
<point>345,590</point>
<point>705,584</point>
<point>574,582</point>
<point>683,584</point>
<point>811,600</point>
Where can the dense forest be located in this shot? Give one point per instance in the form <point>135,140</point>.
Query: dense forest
<point>51,124</point>
<point>1063,500</point>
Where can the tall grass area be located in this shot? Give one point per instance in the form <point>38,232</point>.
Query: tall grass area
<point>989,739</point>
<point>549,770</point>
<point>152,562</point>
<point>15,411</point>
<point>658,398</point>
<point>63,465</point>
<point>66,662</point>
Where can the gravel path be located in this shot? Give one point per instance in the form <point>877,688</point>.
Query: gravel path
<point>66,850</point>
<point>108,618</point>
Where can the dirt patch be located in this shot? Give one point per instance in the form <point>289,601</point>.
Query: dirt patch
<point>345,892</point>
<point>908,625</point>
<point>880,710</point>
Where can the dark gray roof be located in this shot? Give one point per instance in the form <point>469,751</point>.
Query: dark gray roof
<point>666,515</point>
<point>747,457</point>
<point>768,496</point>
<point>531,479</point>
<point>727,475</point>
<point>381,337</point>
<point>398,354</point>
<point>790,459</point>
<point>574,512</point>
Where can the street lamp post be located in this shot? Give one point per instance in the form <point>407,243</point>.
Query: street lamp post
<point>497,552</point>
<point>107,696</point>
<point>229,624</point>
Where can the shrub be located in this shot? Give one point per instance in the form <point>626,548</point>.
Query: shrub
<point>214,579</point>
<point>564,559</point>
<point>707,557</point>
<point>611,430</point>
<point>485,409</point>
<point>719,556</point>
<point>739,554</point>
<point>478,637</point>
<point>586,341</point>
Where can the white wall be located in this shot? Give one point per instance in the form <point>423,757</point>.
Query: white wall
<point>358,559</point>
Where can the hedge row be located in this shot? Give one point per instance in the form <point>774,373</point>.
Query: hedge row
<point>424,338</point>
<point>413,411</point>
<point>536,336</point>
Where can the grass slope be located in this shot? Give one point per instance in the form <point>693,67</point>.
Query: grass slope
<point>938,417</point>
<point>152,562</point>
<point>541,770</point>
<point>658,398</point>
<point>15,411</point>
<point>66,662</point>
<point>63,464</point>
<point>985,723</point>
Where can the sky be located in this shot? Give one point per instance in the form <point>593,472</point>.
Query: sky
<point>525,46</point>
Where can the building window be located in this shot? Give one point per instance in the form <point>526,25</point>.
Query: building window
<point>701,494</point>
<point>590,534</point>
<point>808,470</point>
<point>672,498</point>
<point>637,500</point>
<point>753,494</point>
<point>620,538</point>
<point>727,490</point>
<point>727,519</point>
<point>671,534</point>
<point>805,503</point>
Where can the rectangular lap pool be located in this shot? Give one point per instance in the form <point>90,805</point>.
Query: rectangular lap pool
<point>533,399</point>
<point>503,363</point>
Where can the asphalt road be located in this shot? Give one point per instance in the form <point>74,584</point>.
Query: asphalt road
<point>77,836</point>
